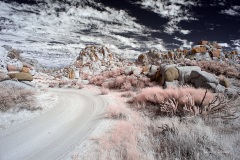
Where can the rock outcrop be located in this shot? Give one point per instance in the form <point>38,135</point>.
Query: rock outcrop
<point>21,76</point>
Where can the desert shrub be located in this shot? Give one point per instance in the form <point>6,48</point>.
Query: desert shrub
<point>121,142</point>
<point>186,140</point>
<point>13,97</point>
<point>117,79</point>
<point>184,101</point>
<point>173,101</point>
<point>218,68</point>
<point>116,112</point>
<point>127,94</point>
<point>104,91</point>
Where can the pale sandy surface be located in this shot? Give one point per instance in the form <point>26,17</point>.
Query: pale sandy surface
<point>55,133</point>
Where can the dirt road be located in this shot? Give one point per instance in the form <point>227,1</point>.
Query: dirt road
<point>53,134</point>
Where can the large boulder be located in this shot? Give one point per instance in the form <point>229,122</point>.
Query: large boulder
<point>202,56</point>
<point>216,53</point>
<point>171,74</point>
<point>185,72</point>
<point>151,57</point>
<point>21,76</point>
<point>202,79</point>
<point>199,49</point>
<point>12,68</point>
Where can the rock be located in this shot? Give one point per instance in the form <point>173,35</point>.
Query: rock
<point>185,72</point>
<point>230,92</point>
<point>215,53</point>
<point>142,59</point>
<point>21,76</point>
<point>136,72</point>
<point>27,65</point>
<point>171,74</point>
<point>203,42</point>
<point>128,70</point>
<point>171,84</point>
<point>202,79</point>
<point>153,69</point>
<point>204,76</point>
<point>14,54</point>
<point>11,68</point>
<point>199,49</point>
<point>32,72</point>
<point>16,63</point>
<point>3,76</point>
<point>76,73</point>
<point>220,88</point>
<point>202,56</point>
<point>25,70</point>
<point>85,82</point>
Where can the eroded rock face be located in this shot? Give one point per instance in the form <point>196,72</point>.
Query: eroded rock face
<point>150,57</point>
<point>95,54</point>
<point>199,49</point>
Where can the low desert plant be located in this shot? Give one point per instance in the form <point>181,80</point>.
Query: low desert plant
<point>173,101</point>
<point>104,91</point>
<point>13,97</point>
<point>186,140</point>
<point>121,142</point>
<point>218,68</point>
<point>117,79</point>
<point>116,112</point>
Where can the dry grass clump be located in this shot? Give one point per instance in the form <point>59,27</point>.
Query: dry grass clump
<point>128,94</point>
<point>116,112</point>
<point>117,79</point>
<point>188,140</point>
<point>13,97</point>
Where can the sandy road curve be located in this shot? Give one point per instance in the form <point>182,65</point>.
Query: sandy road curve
<point>53,134</point>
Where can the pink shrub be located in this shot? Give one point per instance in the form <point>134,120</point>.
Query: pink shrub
<point>104,91</point>
<point>117,79</point>
<point>116,112</point>
<point>173,99</point>
<point>122,141</point>
<point>97,80</point>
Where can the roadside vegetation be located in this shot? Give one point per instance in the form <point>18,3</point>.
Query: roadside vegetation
<point>16,98</point>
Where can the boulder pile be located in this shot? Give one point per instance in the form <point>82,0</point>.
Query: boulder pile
<point>204,50</point>
<point>12,65</point>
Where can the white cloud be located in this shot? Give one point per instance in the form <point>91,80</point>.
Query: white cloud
<point>224,44</point>
<point>185,31</point>
<point>233,11</point>
<point>185,43</point>
<point>174,10</point>
<point>50,32</point>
